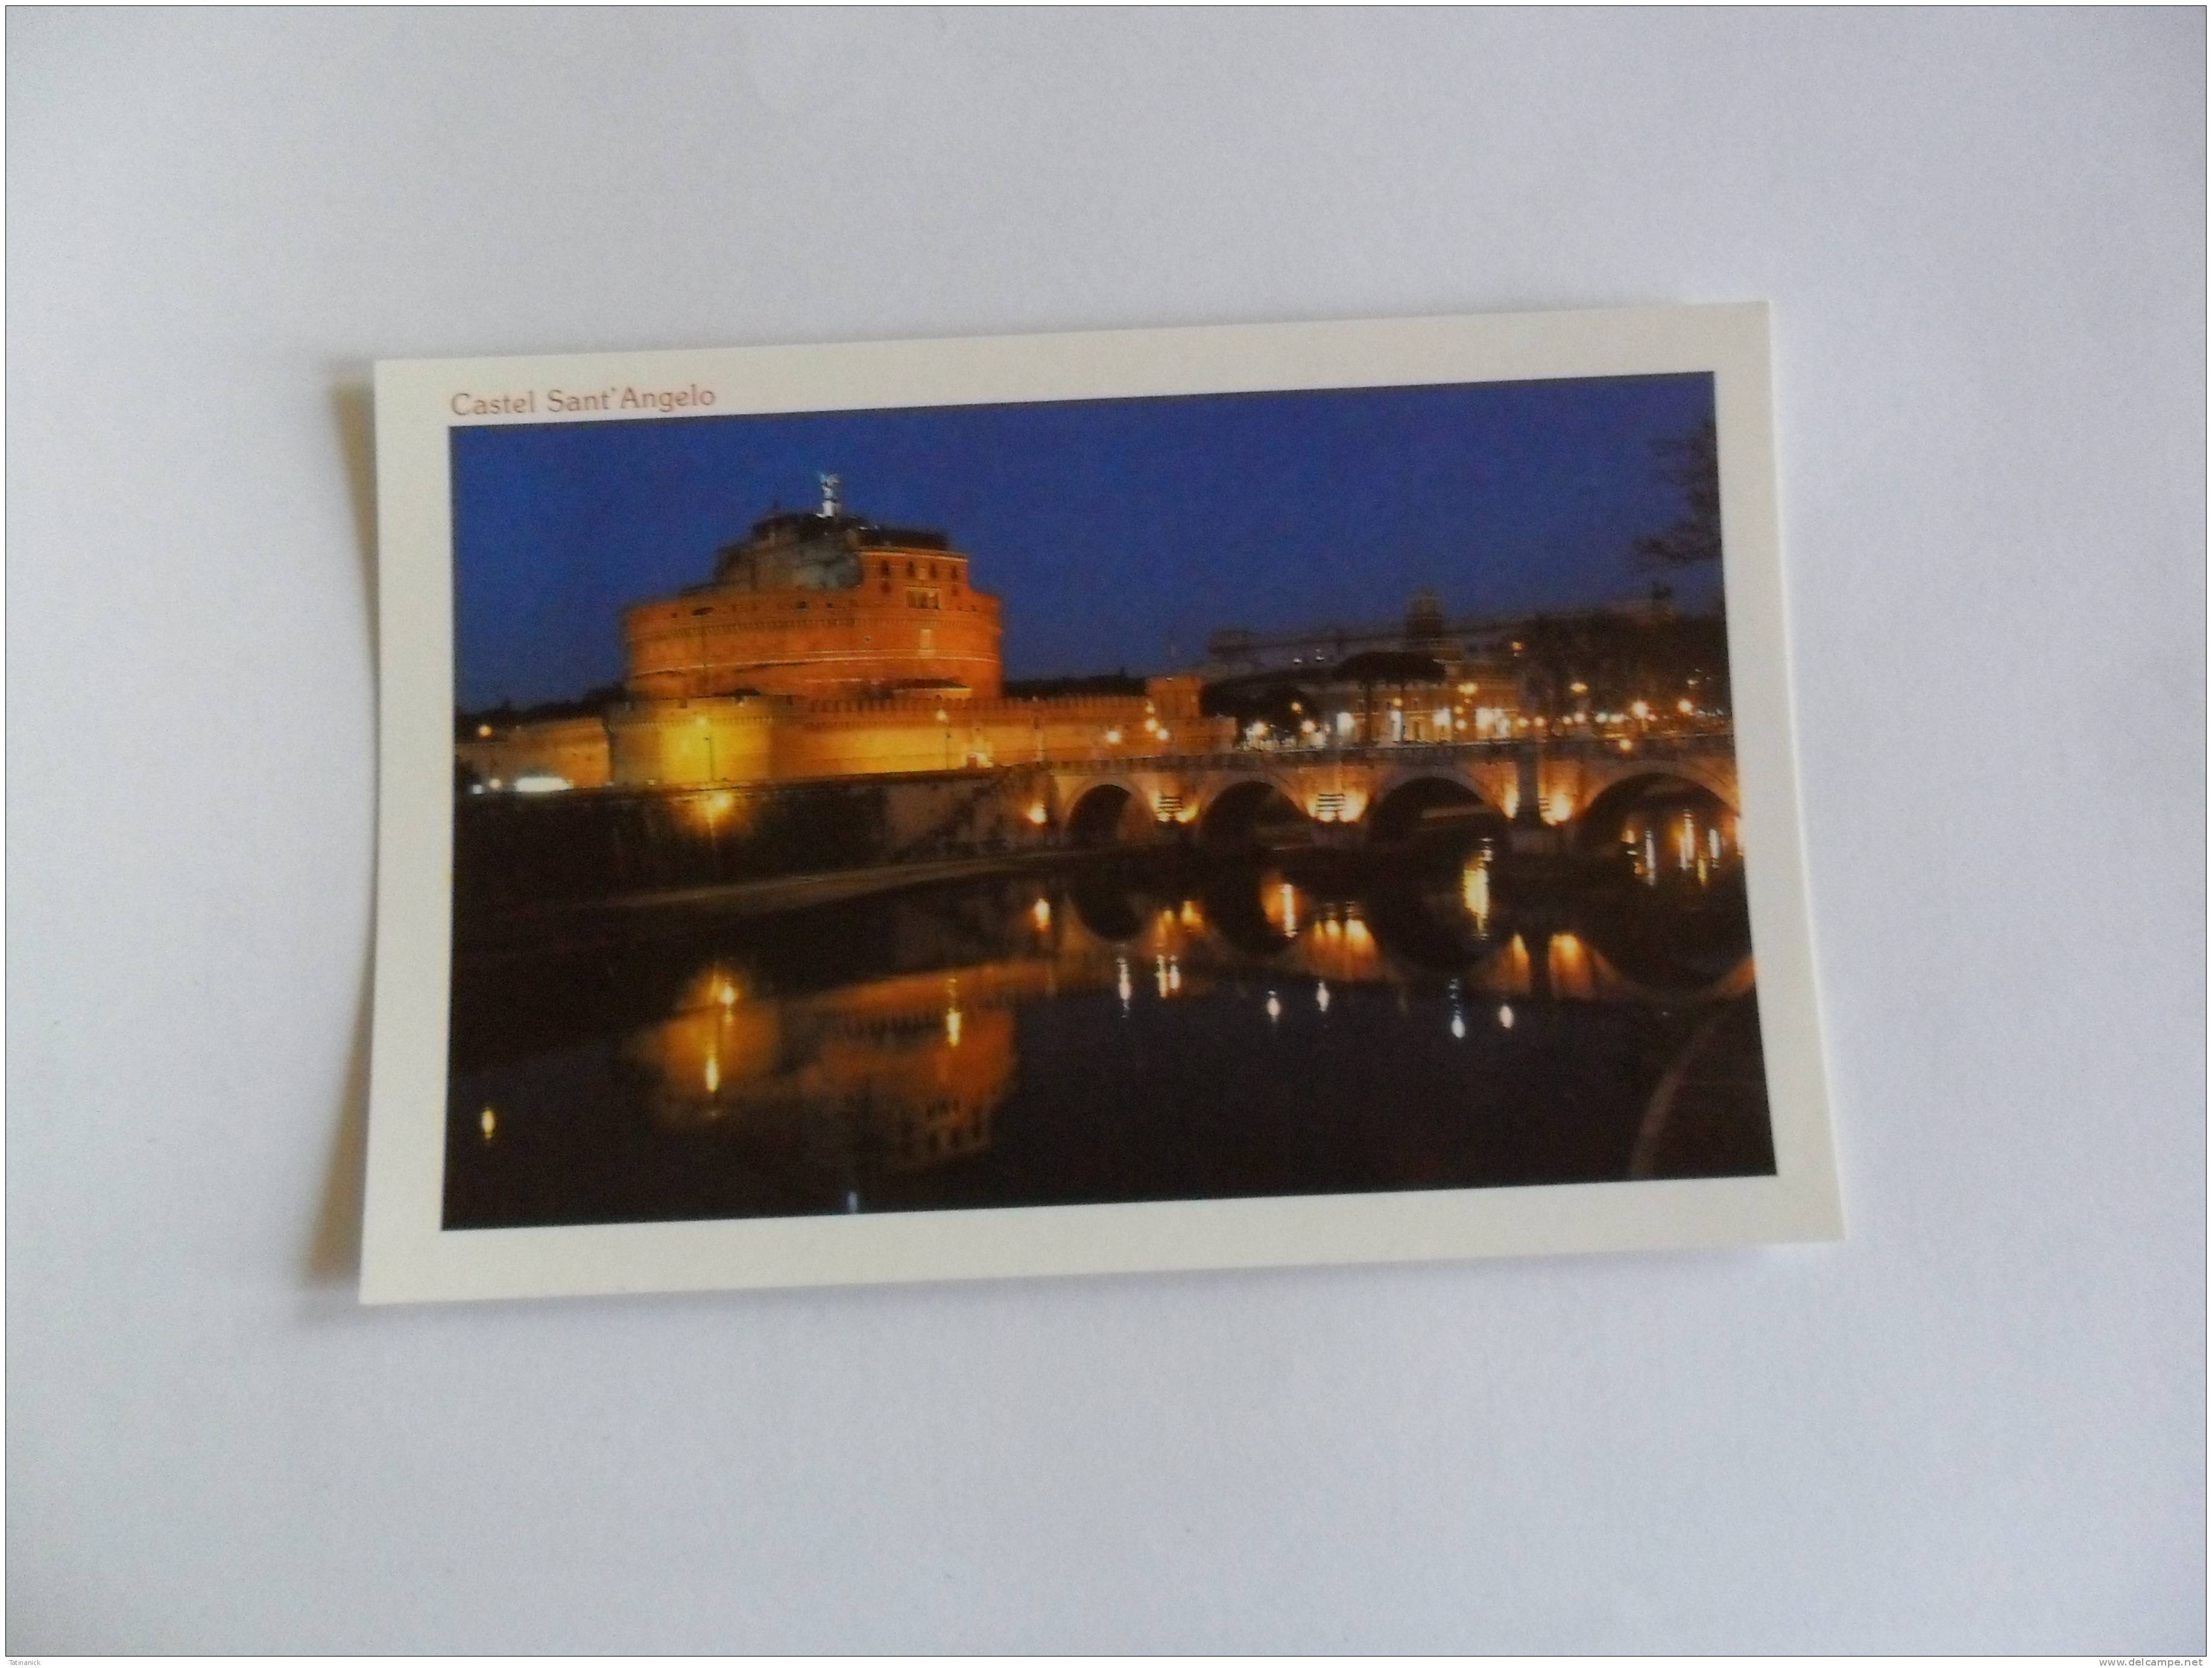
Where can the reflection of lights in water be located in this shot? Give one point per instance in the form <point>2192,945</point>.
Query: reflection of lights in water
<point>713,1074</point>
<point>1290,912</point>
<point>1475,893</point>
<point>1689,842</point>
<point>1458,1024</point>
<point>1321,995</point>
<point>1041,912</point>
<point>1650,859</point>
<point>953,1027</point>
<point>1705,873</point>
<point>1274,1006</point>
<point>1513,966</point>
<point>1567,961</point>
<point>1160,975</point>
<point>851,1201</point>
<point>489,1123</point>
<point>1122,987</point>
<point>1506,1016</point>
<point>727,994</point>
<point>1175,973</point>
<point>1713,842</point>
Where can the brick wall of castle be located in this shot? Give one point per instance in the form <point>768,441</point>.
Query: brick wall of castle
<point>912,619</point>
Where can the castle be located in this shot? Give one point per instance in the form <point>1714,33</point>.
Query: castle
<point>824,645</point>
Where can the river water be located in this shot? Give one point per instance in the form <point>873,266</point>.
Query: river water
<point>1123,1029</point>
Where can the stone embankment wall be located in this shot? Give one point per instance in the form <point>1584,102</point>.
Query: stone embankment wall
<point>518,851</point>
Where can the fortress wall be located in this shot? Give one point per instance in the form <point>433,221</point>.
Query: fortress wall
<point>574,749</point>
<point>817,644</point>
<point>685,742</point>
<point>707,740</point>
<point>871,737</point>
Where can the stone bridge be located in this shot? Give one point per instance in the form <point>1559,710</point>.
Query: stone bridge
<point>1577,786</point>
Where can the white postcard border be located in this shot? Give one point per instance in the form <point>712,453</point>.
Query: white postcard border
<point>405,1255</point>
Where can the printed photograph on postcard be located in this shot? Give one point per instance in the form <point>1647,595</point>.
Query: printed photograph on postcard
<point>1206,797</point>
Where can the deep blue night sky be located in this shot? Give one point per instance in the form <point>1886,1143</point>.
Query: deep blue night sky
<point>1117,532</point>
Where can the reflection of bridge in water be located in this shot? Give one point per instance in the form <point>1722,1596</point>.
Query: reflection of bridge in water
<point>903,1071</point>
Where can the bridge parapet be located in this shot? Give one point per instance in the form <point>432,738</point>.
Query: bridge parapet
<point>1703,744</point>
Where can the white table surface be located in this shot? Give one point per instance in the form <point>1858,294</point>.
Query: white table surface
<point>1979,1425</point>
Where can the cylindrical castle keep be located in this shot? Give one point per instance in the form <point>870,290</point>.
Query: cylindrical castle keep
<point>824,606</point>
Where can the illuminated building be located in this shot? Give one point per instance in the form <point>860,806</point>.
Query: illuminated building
<point>822,606</point>
<point>825,644</point>
<point>1428,681</point>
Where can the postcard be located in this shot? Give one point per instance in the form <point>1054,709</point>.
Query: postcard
<point>1160,800</point>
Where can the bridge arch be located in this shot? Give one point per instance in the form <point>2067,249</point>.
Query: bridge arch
<point>1716,776</point>
<point>1251,814</point>
<point>1404,797</point>
<point>1657,789</point>
<point>1110,812</point>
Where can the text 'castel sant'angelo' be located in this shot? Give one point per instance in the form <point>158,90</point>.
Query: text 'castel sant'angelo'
<point>571,402</point>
